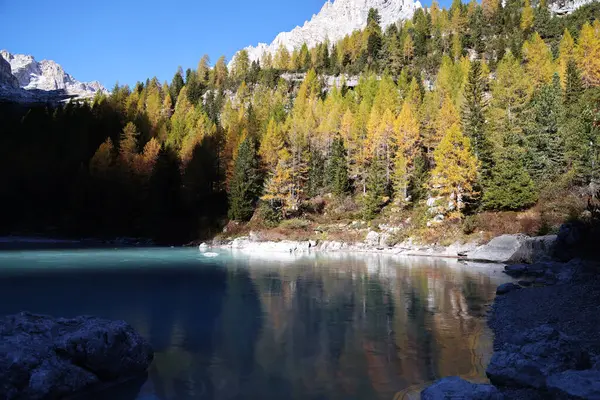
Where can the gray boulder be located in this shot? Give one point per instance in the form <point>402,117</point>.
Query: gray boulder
<point>515,249</point>
<point>507,288</point>
<point>49,358</point>
<point>575,385</point>
<point>456,388</point>
<point>530,357</point>
<point>373,239</point>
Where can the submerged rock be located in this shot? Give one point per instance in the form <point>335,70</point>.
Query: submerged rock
<point>507,288</point>
<point>575,385</point>
<point>532,356</point>
<point>458,389</point>
<point>48,358</point>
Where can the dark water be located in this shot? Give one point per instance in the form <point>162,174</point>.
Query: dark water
<point>276,327</point>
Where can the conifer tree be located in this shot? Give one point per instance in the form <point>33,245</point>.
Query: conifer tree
<point>573,84</point>
<point>204,70</point>
<point>474,119</point>
<point>527,17</point>
<point>539,65</point>
<point>544,141</point>
<point>588,54</point>
<point>566,50</point>
<point>316,173</point>
<point>511,187</point>
<point>455,171</point>
<point>337,168</point>
<point>176,84</point>
<point>244,188</point>
<point>102,161</point>
<point>220,73</point>
<point>376,188</point>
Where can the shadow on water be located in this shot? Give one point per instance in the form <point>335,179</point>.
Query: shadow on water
<point>334,327</point>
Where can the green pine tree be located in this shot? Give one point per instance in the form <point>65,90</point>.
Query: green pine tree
<point>337,168</point>
<point>510,187</point>
<point>316,173</point>
<point>573,84</point>
<point>474,111</point>
<point>544,141</point>
<point>245,184</point>
<point>375,190</point>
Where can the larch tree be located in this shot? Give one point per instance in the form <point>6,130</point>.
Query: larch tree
<point>538,61</point>
<point>220,73</point>
<point>588,53</point>
<point>566,51</point>
<point>527,17</point>
<point>103,160</point>
<point>455,172</point>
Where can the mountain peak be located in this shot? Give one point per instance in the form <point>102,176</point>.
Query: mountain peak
<point>47,75</point>
<point>336,20</point>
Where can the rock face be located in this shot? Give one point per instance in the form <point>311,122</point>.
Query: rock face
<point>47,76</point>
<point>46,358</point>
<point>563,7</point>
<point>7,79</point>
<point>457,388</point>
<point>534,355</point>
<point>515,249</point>
<point>336,20</point>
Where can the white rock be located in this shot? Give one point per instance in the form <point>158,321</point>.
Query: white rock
<point>336,20</point>
<point>373,239</point>
<point>48,75</point>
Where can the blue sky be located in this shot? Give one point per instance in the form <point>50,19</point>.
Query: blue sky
<point>131,40</point>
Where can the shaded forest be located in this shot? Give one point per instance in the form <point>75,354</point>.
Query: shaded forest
<point>476,108</point>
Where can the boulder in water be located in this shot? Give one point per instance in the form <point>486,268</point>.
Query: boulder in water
<point>459,389</point>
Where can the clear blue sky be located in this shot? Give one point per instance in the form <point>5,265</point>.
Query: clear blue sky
<point>131,40</point>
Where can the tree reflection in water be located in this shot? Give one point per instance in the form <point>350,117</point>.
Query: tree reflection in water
<point>335,326</point>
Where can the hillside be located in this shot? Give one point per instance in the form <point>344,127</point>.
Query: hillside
<point>464,122</point>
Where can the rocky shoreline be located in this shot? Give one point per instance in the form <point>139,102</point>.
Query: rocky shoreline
<point>547,334</point>
<point>502,249</point>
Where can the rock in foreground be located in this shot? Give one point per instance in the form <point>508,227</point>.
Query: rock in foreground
<point>457,388</point>
<point>47,358</point>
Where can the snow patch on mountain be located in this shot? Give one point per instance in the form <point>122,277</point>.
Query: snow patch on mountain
<point>336,20</point>
<point>48,75</point>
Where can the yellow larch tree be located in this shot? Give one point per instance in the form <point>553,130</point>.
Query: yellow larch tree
<point>538,61</point>
<point>455,169</point>
<point>407,141</point>
<point>527,17</point>
<point>566,51</point>
<point>588,53</point>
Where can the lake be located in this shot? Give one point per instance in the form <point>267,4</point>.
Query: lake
<point>279,326</point>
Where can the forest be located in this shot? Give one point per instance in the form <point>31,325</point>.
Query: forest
<point>479,108</point>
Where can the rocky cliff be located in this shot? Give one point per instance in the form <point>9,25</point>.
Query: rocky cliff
<point>46,76</point>
<point>336,20</point>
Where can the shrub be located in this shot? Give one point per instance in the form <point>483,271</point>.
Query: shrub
<point>295,223</point>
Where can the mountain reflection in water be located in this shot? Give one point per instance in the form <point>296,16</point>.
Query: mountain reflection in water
<point>239,326</point>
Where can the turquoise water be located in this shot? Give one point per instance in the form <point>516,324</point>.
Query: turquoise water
<point>279,326</point>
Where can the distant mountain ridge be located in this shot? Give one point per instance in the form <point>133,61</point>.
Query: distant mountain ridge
<point>336,20</point>
<point>44,76</point>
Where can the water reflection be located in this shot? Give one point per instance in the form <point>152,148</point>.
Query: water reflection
<point>309,327</point>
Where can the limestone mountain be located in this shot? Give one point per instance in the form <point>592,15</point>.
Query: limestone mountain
<point>46,75</point>
<point>336,20</point>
